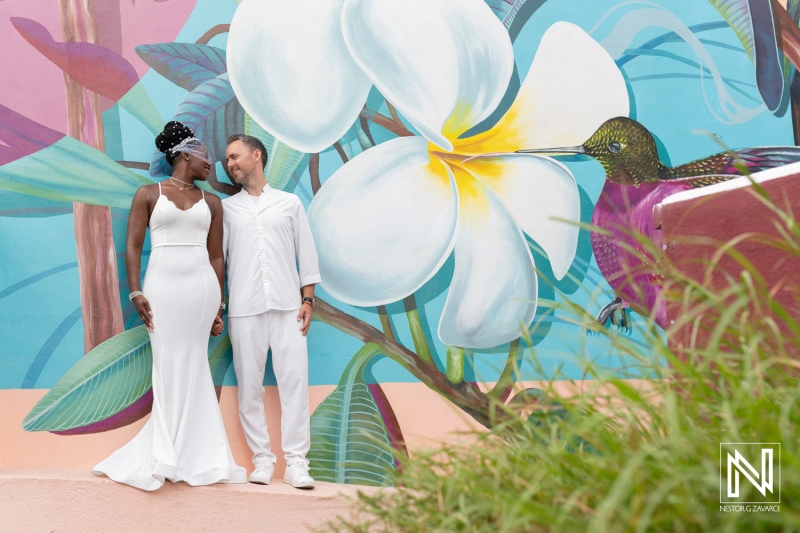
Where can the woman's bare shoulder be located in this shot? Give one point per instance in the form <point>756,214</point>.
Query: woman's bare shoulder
<point>213,199</point>
<point>148,189</point>
<point>146,193</point>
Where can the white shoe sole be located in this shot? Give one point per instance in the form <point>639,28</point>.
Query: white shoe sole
<point>301,486</point>
<point>259,481</point>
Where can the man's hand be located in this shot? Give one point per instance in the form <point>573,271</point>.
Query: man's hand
<point>217,327</point>
<point>304,317</point>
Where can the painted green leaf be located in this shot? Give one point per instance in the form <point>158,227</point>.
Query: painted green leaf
<point>23,205</point>
<point>349,440</point>
<point>138,103</point>
<point>104,382</point>
<point>212,112</point>
<point>220,359</point>
<point>71,171</point>
<point>753,23</point>
<point>737,14</point>
<point>187,65</point>
<point>282,161</point>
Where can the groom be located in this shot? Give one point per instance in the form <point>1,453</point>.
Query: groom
<point>267,240</point>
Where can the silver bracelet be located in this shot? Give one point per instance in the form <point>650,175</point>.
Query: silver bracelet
<point>223,306</point>
<point>134,294</point>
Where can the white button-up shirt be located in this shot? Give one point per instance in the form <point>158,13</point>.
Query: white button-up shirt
<point>265,244</point>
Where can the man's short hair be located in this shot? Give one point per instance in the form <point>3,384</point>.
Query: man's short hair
<point>253,143</point>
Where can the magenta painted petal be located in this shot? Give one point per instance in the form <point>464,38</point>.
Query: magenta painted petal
<point>21,136</point>
<point>95,67</point>
<point>129,415</point>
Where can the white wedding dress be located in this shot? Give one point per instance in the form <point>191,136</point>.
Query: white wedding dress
<point>184,439</point>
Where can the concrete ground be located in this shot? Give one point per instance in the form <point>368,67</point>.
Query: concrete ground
<point>72,500</point>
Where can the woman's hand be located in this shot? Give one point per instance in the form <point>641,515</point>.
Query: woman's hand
<point>143,310</point>
<point>218,326</point>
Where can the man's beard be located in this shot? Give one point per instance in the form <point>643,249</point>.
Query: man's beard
<point>249,177</point>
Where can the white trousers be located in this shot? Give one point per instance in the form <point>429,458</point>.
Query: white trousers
<point>251,337</point>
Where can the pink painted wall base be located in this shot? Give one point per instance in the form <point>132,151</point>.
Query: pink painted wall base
<point>19,448</point>
<point>442,421</point>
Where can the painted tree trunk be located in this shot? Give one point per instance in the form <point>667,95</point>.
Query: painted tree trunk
<point>97,257</point>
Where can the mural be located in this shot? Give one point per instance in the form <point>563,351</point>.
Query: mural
<point>450,154</point>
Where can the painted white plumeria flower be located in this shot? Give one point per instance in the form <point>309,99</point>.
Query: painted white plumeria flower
<point>387,220</point>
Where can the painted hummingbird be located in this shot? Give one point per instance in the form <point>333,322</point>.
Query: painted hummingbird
<point>637,180</point>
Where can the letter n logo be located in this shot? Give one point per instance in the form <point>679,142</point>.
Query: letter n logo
<point>745,464</point>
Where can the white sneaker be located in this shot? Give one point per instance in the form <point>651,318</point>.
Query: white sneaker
<point>263,472</point>
<point>297,476</point>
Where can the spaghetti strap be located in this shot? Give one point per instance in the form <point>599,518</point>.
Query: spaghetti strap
<point>159,188</point>
<point>203,193</point>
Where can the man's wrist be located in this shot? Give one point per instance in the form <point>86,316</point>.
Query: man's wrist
<point>308,300</point>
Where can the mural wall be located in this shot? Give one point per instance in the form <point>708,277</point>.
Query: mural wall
<point>445,253</point>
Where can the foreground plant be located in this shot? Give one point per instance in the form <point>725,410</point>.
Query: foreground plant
<point>629,454</point>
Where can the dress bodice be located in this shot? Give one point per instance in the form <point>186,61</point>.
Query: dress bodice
<point>171,226</point>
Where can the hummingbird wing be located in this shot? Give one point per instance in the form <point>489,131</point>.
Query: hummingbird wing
<point>728,165</point>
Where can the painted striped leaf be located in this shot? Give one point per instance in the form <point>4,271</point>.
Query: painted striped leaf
<point>753,23</point>
<point>187,65</point>
<point>283,159</point>
<point>349,440</point>
<point>71,171</point>
<point>107,380</point>
<point>220,359</point>
<point>212,112</point>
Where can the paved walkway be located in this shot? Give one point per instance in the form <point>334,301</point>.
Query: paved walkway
<point>66,500</point>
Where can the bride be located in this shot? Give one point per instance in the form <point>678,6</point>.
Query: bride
<point>181,301</point>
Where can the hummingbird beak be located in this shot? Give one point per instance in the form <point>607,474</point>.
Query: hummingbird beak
<point>554,151</point>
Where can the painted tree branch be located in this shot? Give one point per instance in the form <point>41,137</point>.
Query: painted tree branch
<point>139,165</point>
<point>213,32</point>
<point>340,150</point>
<point>382,120</point>
<point>505,383</point>
<point>469,399</point>
<point>417,333</point>
<point>393,112</point>
<point>313,172</point>
<point>365,127</point>
<point>386,322</point>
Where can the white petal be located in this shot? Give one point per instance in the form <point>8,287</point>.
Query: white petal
<point>493,292</point>
<point>292,72</point>
<point>384,223</point>
<point>445,64</point>
<point>572,87</point>
<point>541,195</point>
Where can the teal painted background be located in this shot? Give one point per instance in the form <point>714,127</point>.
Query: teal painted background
<point>43,322</point>
<point>39,286</point>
